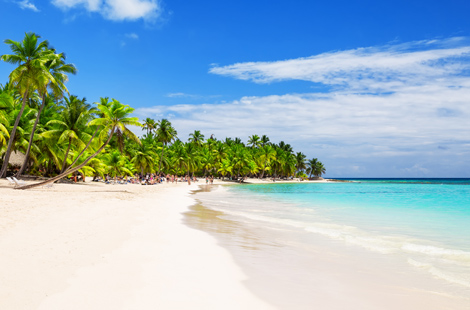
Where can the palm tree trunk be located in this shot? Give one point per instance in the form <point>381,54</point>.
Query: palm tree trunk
<point>161,160</point>
<point>65,157</point>
<point>30,143</point>
<point>12,136</point>
<point>71,170</point>
<point>264,168</point>
<point>86,147</point>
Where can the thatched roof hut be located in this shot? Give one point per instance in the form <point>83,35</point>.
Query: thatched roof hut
<point>17,158</point>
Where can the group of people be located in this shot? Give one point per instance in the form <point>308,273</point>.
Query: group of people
<point>150,179</point>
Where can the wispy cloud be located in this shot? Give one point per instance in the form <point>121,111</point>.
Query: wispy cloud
<point>27,5</point>
<point>117,10</point>
<point>384,68</point>
<point>183,95</point>
<point>190,96</point>
<point>132,35</point>
<point>398,110</point>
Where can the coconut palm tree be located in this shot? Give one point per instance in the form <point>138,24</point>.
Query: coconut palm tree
<point>179,156</point>
<point>144,157</point>
<point>165,134</point>
<point>20,141</point>
<point>311,164</point>
<point>31,57</point>
<point>6,105</point>
<point>59,69</point>
<point>254,141</point>
<point>114,121</point>
<point>193,153</point>
<point>264,140</point>
<point>115,164</point>
<point>319,169</point>
<point>206,160</point>
<point>300,159</point>
<point>70,128</point>
<point>266,153</point>
<point>149,125</point>
<point>225,167</point>
<point>104,101</point>
<point>240,157</point>
<point>197,138</point>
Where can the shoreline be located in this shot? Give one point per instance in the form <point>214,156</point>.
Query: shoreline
<point>97,246</point>
<point>325,274</point>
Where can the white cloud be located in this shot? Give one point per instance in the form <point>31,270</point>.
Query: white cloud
<point>25,4</point>
<point>385,68</point>
<point>398,110</point>
<point>181,95</point>
<point>354,129</point>
<point>190,96</point>
<point>132,35</point>
<point>117,10</point>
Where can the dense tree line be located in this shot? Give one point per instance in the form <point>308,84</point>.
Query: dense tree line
<point>61,134</point>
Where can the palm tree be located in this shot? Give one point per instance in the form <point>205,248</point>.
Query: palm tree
<point>31,57</point>
<point>49,150</point>
<point>311,164</point>
<point>179,156</point>
<point>254,141</point>
<point>165,134</point>
<point>240,157</point>
<point>196,137</point>
<point>114,121</point>
<point>149,125</point>
<point>266,153</point>
<point>219,152</point>
<point>238,141</point>
<point>300,159</point>
<point>264,140</point>
<point>192,156</point>
<point>319,169</point>
<point>19,142</point>
<point>225,167</point>
<point>115,164</point>
<point>6,105</point>
<point>71,126</point>
<point>58,68</point>
<point>104,101</point>
<point>206,160</point>
<point>143,157</point>
<point>285,147</point>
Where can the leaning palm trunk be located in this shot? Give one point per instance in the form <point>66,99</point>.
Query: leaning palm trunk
<point>64,164</point>
<point>86,147</point>
<point>30,143</point>
<point>72,170</point>
<point>12,136</point>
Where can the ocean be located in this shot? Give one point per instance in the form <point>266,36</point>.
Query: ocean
<point>421,223</point>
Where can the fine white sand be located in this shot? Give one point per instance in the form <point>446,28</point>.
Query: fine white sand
<point>95,246</point>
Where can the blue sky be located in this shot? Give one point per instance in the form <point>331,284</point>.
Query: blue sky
<point>371,88</point>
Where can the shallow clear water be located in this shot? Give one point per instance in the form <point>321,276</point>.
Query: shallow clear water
<point>424,222</point>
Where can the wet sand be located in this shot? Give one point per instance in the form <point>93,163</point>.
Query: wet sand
<point>292,273</point>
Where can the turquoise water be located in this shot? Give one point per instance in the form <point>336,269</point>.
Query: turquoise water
<point>424,222</point>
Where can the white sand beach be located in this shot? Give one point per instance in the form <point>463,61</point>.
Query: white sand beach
<point>95,246</point>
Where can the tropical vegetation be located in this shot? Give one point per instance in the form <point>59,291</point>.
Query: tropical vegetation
<point>61,134</point>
